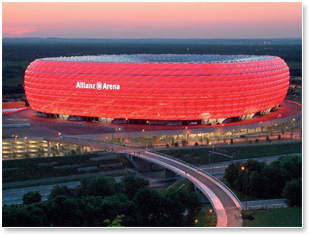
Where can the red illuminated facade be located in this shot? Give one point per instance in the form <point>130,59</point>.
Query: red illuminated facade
<point>157,87</point>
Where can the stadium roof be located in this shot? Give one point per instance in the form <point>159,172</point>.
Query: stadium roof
<point>164,58</point>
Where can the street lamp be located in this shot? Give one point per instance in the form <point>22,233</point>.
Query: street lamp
<point>16,136</point>
<point>148,131</point>
<point>25,143</point>
<point>246,171</point>
<point>143,137</point>
<point>209,158</point>
<point>59,134</point>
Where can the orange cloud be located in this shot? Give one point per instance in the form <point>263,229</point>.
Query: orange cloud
<point>11,31</point>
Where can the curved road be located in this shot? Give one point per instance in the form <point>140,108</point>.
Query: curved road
<point>225,203</point>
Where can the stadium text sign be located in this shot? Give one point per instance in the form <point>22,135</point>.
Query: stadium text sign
<point>98,86</point>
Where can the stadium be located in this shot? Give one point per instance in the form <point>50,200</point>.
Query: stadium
<point>158,89</point>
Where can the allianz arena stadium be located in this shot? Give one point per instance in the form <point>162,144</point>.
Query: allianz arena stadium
<point>201,88</point>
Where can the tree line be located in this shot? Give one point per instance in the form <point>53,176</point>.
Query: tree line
<point>103,202</point>
<point>281,178</point>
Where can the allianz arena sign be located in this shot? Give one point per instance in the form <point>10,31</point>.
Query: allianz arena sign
<point>98,86</point>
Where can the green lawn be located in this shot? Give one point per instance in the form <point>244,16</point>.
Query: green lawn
<point>200,155</point>
<point>287,217</point>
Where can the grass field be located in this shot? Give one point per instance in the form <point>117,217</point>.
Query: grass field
<point>200,156</point>
<point>287,217</point>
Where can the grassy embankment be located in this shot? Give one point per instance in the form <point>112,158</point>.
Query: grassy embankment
<point>200,156</point>
<point>46,167</point>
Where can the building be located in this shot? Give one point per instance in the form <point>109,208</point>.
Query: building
<point>157,89</point>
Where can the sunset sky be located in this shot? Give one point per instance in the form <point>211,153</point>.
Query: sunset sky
<point>152,20</point>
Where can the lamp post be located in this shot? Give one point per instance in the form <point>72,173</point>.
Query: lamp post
<point>246,171</point>
<point>148,132</point>
<point>25,143</point>
<point>209,158</point>
<point>59,134</point>
<point>143,137</point>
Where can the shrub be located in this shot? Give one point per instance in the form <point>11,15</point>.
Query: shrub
<point>268,139</point>
<point>293,192</point>
<point>31,197</point>
<point>184,143</point>
<point>196,144</point>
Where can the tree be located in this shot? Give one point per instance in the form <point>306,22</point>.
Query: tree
<point>119,204</point>
<point>173,209</point>
<point>193,205</point>
<point>231,173</point>
<point>288,168</point>
<point>257,184</point>
<point>31,197</point>
<point>275,183</point>
<point>293,192</point>
<point>92,210</point>
<point>65,212</point>
<point>98,186</point>
<point>59,191</point>
<point>149,207</point>
<point>130,185</point>
<point>116,222</point>
<point>24,215</point>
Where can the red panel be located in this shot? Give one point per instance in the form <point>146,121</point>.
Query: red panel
<point>175,91</point>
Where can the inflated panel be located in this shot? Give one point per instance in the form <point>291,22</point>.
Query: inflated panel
<point>168,90</point>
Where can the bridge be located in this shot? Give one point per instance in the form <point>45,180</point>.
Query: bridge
<point>225,203</point>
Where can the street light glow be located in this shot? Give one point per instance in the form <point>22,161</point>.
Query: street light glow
<point>242,168</point>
